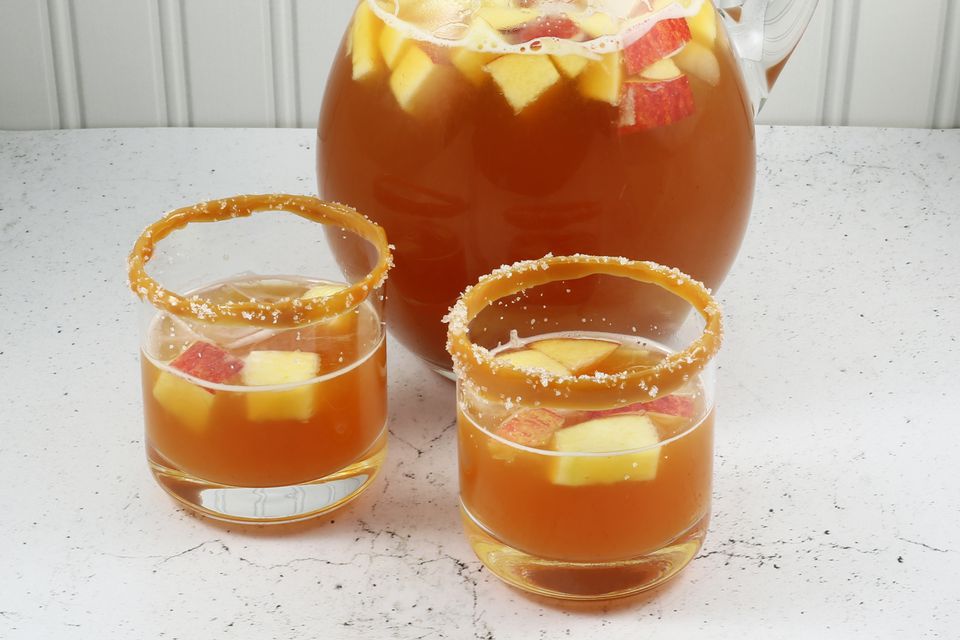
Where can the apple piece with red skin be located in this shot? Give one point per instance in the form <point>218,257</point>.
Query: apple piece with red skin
<point>663,40</point>
<point>531,427</point>
<point>576,354</point>
<point>648,105</point>
<point>671,405</point>
<point>546,27</point>
<point>208,362</point>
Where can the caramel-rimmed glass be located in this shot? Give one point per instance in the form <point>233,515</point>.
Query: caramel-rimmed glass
<point>592,520</point>
<point>475,363</point>
<point>263,362</point>
<point>286,312</point>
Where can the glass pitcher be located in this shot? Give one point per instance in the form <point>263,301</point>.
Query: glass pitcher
<point>482,132</point>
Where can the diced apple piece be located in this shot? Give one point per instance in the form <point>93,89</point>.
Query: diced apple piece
<point>323,290</point>
<point>664,39</point>
<point>263,368</point>
<point>530,427</point>
<point>523,78</point>
<point>392,45</point>
<point>471,64</point>
<point>190,404</point>
<point>428,14</point>
<point>365,35</point>
<point>703,26</point>
<point>671,405</point>
<point>665,69</point>
<point>547,27</point>
<point>648,105</point>
<point>414,72</point>
<point>674,405</point>
<point>345,323</point>
<point>530,359</point>
<point>576,354</point>
<point>617,433</point>
<point>667,423</point>
<point>505,18</point>
<point>570,65</point>
<point>602,79</point>
<point>471,59</point>
<point>627,357</point>
<point>596,25</point>
<point>698,60</point>
<point>208,362</point>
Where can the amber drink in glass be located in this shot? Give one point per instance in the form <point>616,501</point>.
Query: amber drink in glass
<point>585,442</point>
<point>264,384</point>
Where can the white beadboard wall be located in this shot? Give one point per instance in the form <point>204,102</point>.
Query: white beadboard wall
<point>263,63</point>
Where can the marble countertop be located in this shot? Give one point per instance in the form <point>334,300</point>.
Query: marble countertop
<point>838,446</point>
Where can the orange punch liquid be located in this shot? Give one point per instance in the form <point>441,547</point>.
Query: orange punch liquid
<point>297,405</point>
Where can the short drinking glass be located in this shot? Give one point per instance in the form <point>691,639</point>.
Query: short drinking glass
<point>264,382</point>
<point>585,437</point>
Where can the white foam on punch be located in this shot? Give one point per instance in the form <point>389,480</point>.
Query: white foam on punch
<point>633,17</point>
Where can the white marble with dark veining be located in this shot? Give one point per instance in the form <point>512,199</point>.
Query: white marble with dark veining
<point>838,449</point>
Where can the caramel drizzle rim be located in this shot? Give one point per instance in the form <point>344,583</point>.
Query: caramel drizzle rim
<point>283,313</point>
<point>476,365</point>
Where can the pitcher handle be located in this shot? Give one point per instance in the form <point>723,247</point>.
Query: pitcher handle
<point>765,34</point>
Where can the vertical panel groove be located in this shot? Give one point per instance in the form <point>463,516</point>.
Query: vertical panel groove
<point>823,76</point>
<point>65,64</point>
<point>50,68</point>
<point>160,110</point>
<point>284,68</point>
<point>295,67</point>
<point>173,54</point>
<point>843,45</point>
<point>946,110</point>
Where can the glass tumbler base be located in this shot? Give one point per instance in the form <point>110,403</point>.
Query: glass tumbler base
<point>269,505</point>
<point>583,580</point>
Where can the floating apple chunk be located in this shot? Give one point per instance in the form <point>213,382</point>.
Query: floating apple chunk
<point>570,65</point>
<point>505,18</point>
<point>414,73</point>
<point>665,69</point>
<point>345,323</point>
<point>673,405</point>
<point>603,79</point>
<point>649,105</point>
<point>323,290</point>
<point>392,45</point>
<point>681,406</point>
<point>603,435</point>
<point>628,356</point>
<point>703,25</point>
<point>471,64</point>
<point>268,368</point>
<point>189,403</point>
<point>208,362</point>
<point>533,360</point>
<point>698,60</point>
<point>595,25</point>
<point>547,27</point>
<point>365,36</point>
<point>531,427</point>
<point>471,60</point>
<point>523,79</point>
<point>664,39</point>
<point>578,355</point>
